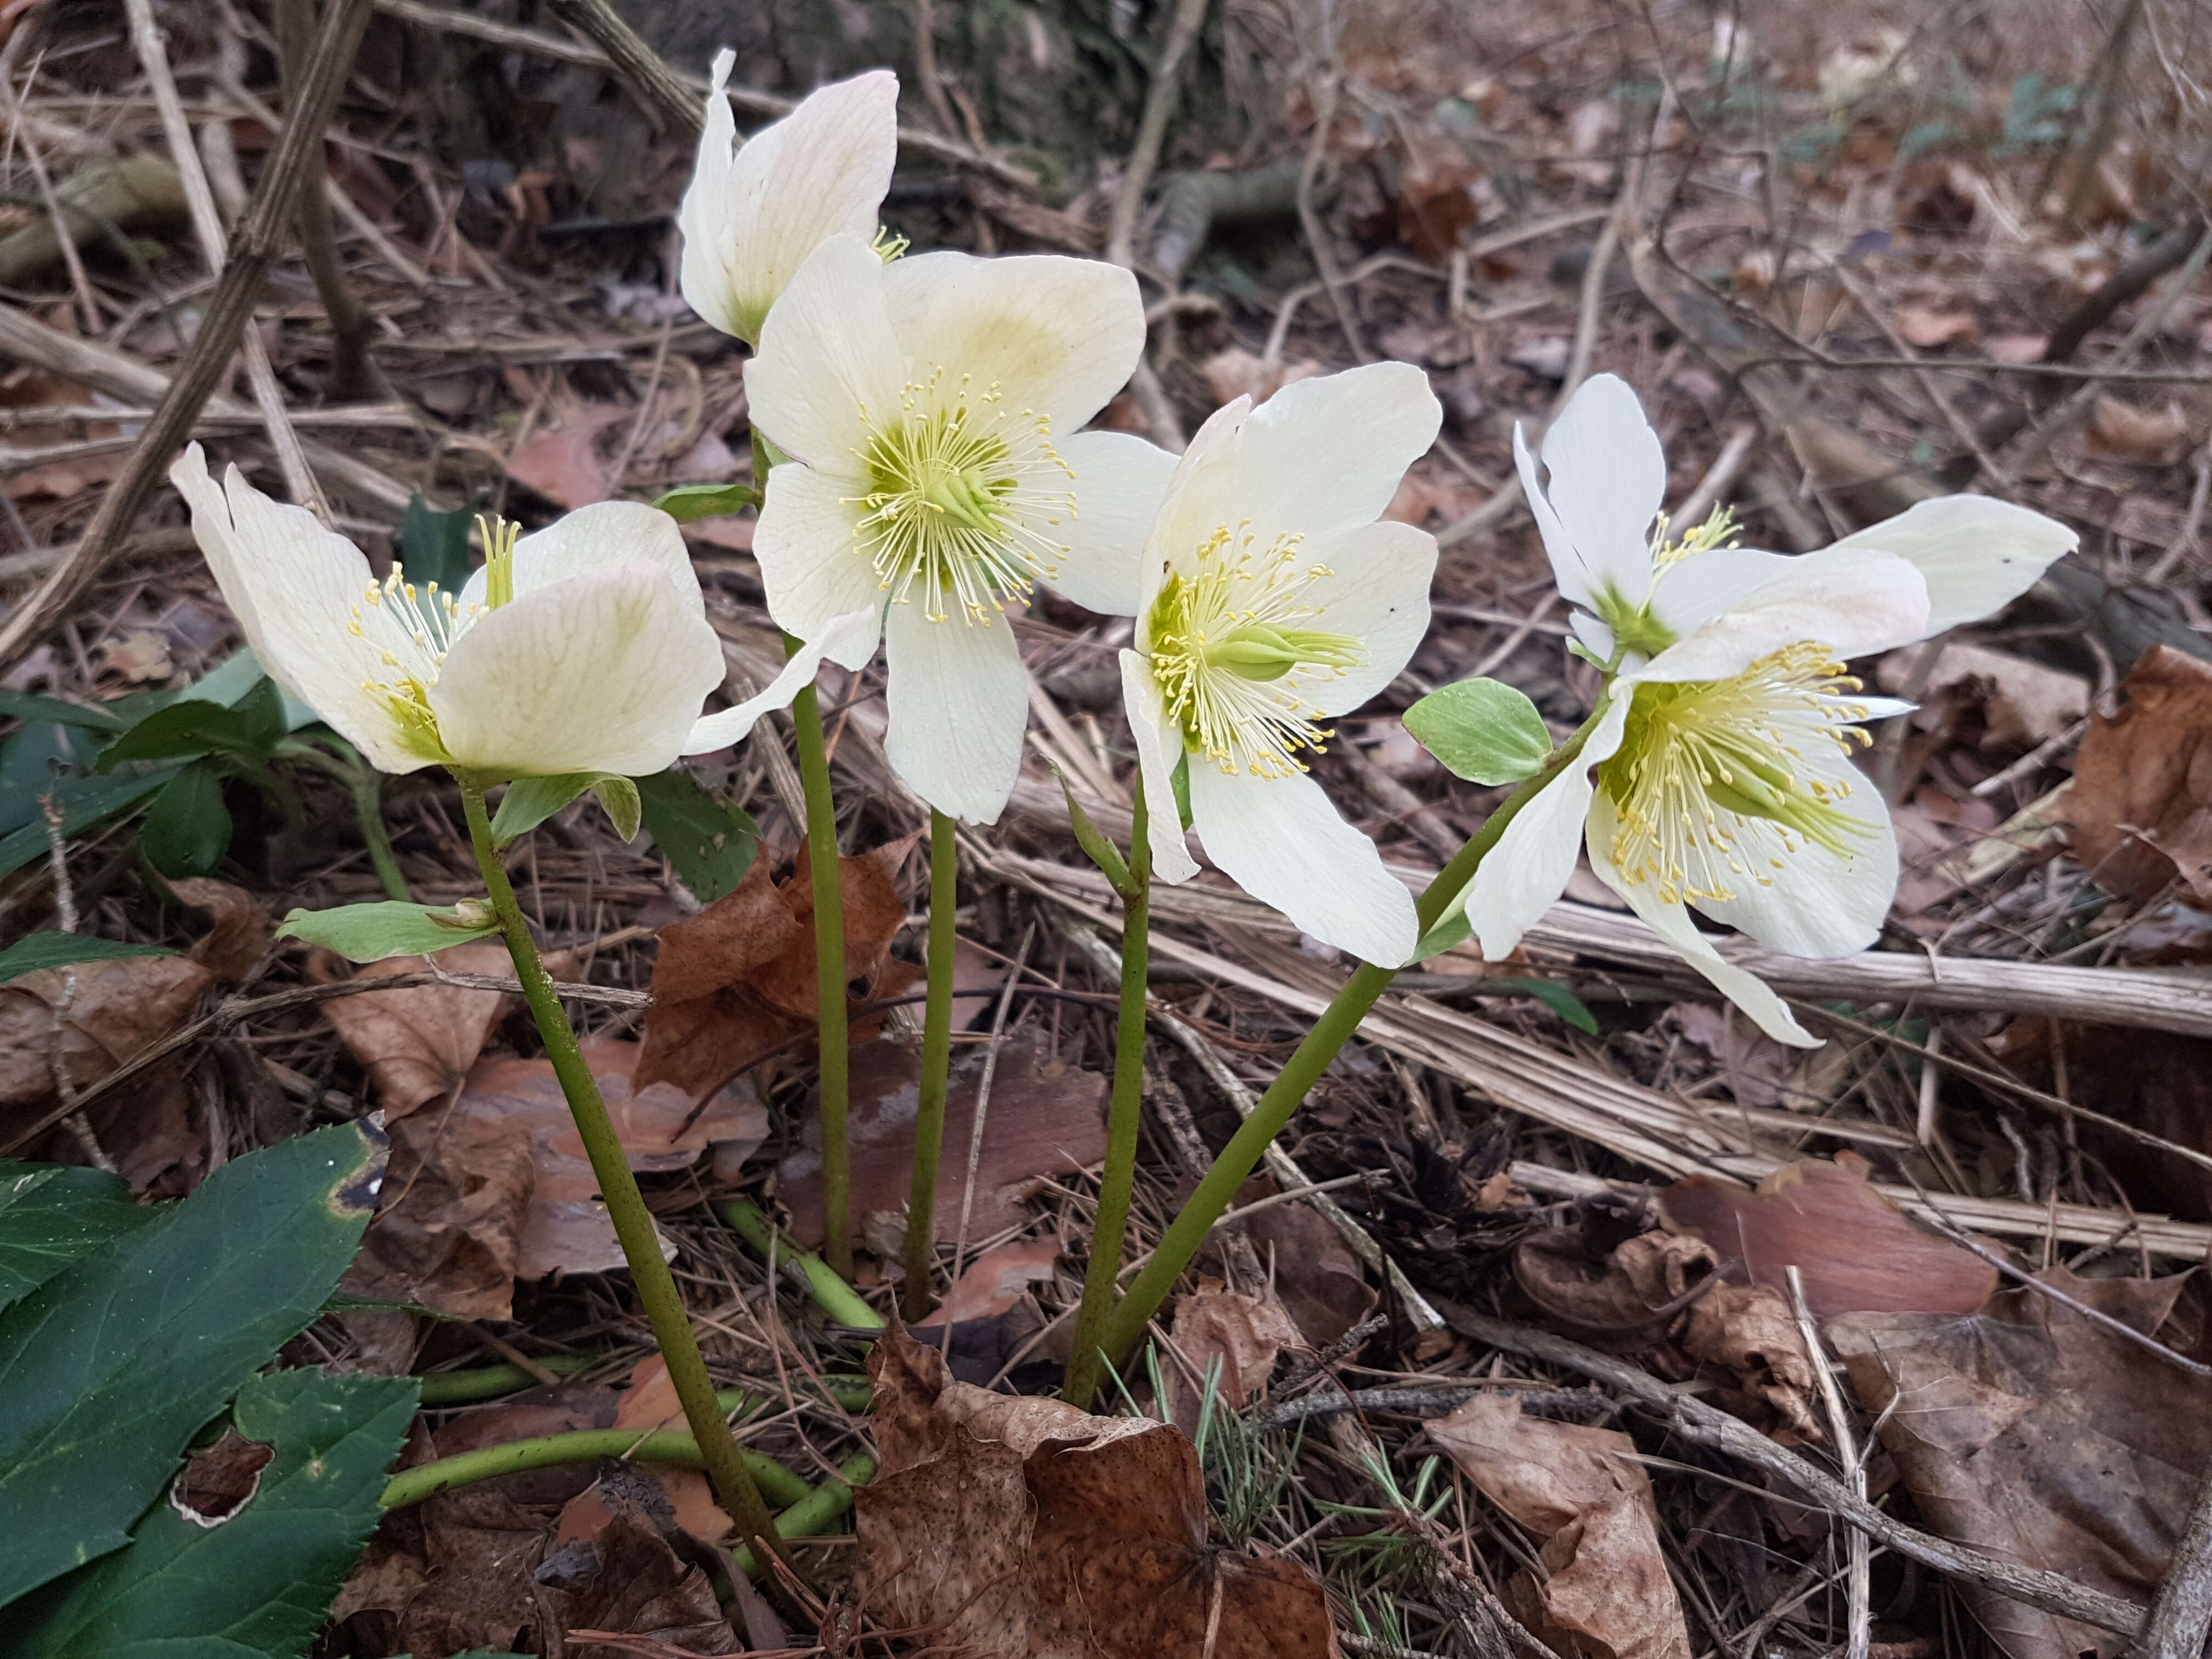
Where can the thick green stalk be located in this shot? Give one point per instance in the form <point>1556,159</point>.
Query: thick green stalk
<point>816,1513</point>
<point>490,1382</point>
<point>779,1485</point>
<point>632,1223</point>
<point>831,1294</point>
<point>1126,1325</point>
<point>828,974</point>
<point>1124,1121</point>
<point>936,1068</point>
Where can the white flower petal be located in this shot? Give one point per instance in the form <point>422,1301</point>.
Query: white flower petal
<point>750,219</point>
<point>810,561</point>
<point>1576,581</point>
<point>1691,594</point>
<point>1672,924</point>
<point>600,537</point>
<point>293,586</point>
<point>1282,842</point>
<point>853,633</point>
<point>1978,555</point>
<point>827,360</point>
<point>1607,479</point>
<point>1159,746</point>
<point>600,673</point>
<point>1819,904</point>
<point>1051,334</point>
<point>1524,874</point>
<point>1120,482</point>
<point>1852,601</point>
<point>1199,493</point>
<point>1377,591</point>
<point>959,706</point>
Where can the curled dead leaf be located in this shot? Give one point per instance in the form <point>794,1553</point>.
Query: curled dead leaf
<point>239,930</point>
<point>2141,809</point>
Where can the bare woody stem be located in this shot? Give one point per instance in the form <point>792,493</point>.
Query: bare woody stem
<point>1124,1121</point>
<point>733,1483</point>
<point>936,1068</point>
<point>1126,1325</point>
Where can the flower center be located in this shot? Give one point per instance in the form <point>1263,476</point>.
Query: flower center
<point>962,493</point>
<point>413,630</point>
<point>1231,654</point>
<point>1714,782</point>
<point>1634,626</point>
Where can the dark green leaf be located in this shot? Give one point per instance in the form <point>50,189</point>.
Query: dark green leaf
<point>1484,730</point>
<point>109,1367</point>
<point>688,503</point>
<point>1559,1000</point>
<point>34,759</point>
<point>370,932</point>
<point>187,829</point>
<point>84,802</point>
<point>250,727</point>
<point>433,547</point>
<point>710,843</point>
<point>33,951</point>
<point>26,706</point>
<point>53,1213</point>
<point>530,801</point>
<point>257,1579</point>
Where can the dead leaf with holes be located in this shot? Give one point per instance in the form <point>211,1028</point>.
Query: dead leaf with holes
<point>736,980</point>
<point>495,1185</point>
<point>1605,1592</point>
<point>1016,1527</point>
<point>2139,812</point>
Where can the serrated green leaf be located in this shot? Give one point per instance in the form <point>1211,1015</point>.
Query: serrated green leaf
<point>51,1214</point>
<point>370,932</point>
<point>258,1579</point>
<point>710,843</point>
<point>85,803</point>
<point>35,952</point>
<point>1556,997</point>
<point>689,503</point>
<point>1483,730</point>
<point>109,1366</point>
<point>28,706</point>
<point>187,828</point>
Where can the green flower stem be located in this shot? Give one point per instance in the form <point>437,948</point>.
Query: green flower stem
<point>836,1298</point>
<point>777,1484</point>
<point>1126,1325</point>
<point>822,869</point>
<point>366,785</point>
<point>820,1510</point>
<point>632,1223</point>
<point>1124,1121</point>
<point>490,1382</point>
<point>936,1070</point>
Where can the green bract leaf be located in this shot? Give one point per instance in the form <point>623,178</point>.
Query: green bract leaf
<point>618,798</point>
<point>53,1213</point>
<point>109,1366</point>
<point>1559,1000</point>
<point>257,1578</point>
<point>187,831</point>
<point>1092,840</point>
<point>370,932</point>
<point>1483,730</point>
<point>37,950</point>
<point>530,801</point>
<point>711,844</point>
<point>1451,931</point>
<point>688,503</point>
<point>84,802</point>
<point>27,706</point>
<point>1179,779</point>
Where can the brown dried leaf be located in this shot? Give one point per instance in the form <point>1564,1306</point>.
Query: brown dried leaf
<point>2141,808</point>
<point>1243,1335</point>
<point>1320,1283</point>
<point>1606,1593</point>
<point>2028,1431</point>
<point>629,1582</point>
<point>1236,372</point>
<point>496,1186</point>
<point>417,1043</point>
<point>238,932</point>
<point>1857,1251</point>
<point>2152,437</point>
<point>995,1281</point>
<point>561,459</point>
<point>1927,327</point>
<point>118,1008</point>
<point>1023,1528</point>
<point>1043,1120</point>
<point>2022,703</point>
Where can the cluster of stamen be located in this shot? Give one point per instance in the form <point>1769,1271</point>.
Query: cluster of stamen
<point>413,628</point>
<point>1634,626</point>
<point>1232,655</point>
<point>963,492</point>
<point>1715,783</point>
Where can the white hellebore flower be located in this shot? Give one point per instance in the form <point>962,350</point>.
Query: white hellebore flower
<point>1718,774</point>
<point>1273,600</point>
<point>583,648</point>
<point>753,212</point>
<point>922,404</point>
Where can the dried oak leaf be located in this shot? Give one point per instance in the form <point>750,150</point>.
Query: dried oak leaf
<point>495,1185</point>
<point>1043,1119</point>
<point>2033,1433</point>
<point>1023,1528</point>
<point>738,979</point>
<point>417,1043</point>
<point>1605,1593</point>
<point>1856,1252</point>
<point>118,1008</point>
<point>2141,808</point>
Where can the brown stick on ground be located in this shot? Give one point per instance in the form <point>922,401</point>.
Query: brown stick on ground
<point>354,376</point>
<point>2178,1624</point>
<point>259,237</point>
<point>673,106</point>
